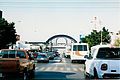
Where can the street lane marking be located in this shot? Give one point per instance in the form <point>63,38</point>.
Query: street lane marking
<point>48,69</point>
<point>75,69</point>
<point>81,69</point>
<point>42,69</point>
<point>61,68</point>
<point>58,68</point>
<point>55,69</point>
<point>68,69</point>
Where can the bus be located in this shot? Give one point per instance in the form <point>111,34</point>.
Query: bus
<point>78,51</point>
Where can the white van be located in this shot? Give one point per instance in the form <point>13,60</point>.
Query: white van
<point>78,51</point>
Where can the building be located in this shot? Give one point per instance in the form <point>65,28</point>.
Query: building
<point>115,38</point>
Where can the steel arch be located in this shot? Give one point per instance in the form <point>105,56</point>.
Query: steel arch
<point>61,35</point>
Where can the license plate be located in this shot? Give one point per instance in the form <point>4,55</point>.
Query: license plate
<point>0,74</point>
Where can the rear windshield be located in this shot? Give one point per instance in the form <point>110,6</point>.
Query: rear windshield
<point>109,53</point>
<point>12,54</point>
<point>80,48</point>
<point>21,54</point>
<point>42,56</point>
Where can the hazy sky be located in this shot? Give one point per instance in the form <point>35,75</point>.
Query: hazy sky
<point>38,20</point>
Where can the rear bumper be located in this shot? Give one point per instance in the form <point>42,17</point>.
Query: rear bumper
<point>111,75</point>
<point>9,71</point>
<point>79,59</point>
<point>42,60</point>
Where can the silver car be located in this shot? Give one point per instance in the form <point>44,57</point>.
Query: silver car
<point>42,58</point>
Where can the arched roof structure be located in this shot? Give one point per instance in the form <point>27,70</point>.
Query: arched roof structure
<point>61,35</point>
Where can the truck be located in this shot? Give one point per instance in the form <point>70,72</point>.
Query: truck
<point>19,62</point>
<point>103,62</point>
<point>78,51</point>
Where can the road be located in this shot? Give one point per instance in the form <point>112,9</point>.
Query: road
<point>64,70</point>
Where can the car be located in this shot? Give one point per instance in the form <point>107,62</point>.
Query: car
<point>42,58</point>
<point>35,54</point>
<point>103,62</point>
<point>50,55</point>
<point>57,59</point>
<point>19,62</point>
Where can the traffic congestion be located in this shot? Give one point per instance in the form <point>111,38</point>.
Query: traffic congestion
<point>59,39</point>
<point>101,62</point>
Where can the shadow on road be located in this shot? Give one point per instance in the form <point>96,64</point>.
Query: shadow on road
<point>48,75</point>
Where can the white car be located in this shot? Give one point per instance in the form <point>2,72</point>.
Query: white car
<point>104,62</point>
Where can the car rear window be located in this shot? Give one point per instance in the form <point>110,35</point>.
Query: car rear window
<point>42,56</point>
<point>4,54</point>
<point>12,54</point>
<point>21,54</point>
<point>80,48</point>
<point>109,53</point>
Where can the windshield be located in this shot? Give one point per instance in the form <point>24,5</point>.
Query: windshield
<point>109,53</point>
<point>80,48</point>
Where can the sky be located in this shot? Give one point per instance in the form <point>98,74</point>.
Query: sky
<point>38,20</point>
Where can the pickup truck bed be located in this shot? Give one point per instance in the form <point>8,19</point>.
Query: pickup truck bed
<point>9,65</point>
<point>16,61</point>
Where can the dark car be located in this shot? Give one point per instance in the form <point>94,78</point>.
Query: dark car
<point>35,54</point>
<point>50,55</point>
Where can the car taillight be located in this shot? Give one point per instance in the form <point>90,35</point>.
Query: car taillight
<point>104,67</point>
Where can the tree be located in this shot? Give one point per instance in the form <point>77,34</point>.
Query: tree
<point>7,33</point>
<point>95,37</point>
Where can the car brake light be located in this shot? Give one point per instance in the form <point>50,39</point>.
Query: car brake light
<point>104,67</point>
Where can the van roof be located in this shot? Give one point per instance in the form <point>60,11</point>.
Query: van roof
<point>80,43</point>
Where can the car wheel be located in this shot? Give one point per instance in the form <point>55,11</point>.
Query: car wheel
<point>32,74</point>
<point>85,74</point>
<point>72,61</point>
<point>33,67</point>
<point>95,74</point>
<point>25,75</point>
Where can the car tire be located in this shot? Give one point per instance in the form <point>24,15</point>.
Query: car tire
<point>72,61</point>
<point>32,74</point>
<point>25,74</point>
<point>85,74</point>
<point>95,74</point>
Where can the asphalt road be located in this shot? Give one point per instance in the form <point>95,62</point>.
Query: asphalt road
<point>55,70</point>
<point>64,70</point>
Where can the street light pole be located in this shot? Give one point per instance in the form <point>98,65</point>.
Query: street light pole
<point>101,31</point>
<point>101,37</point>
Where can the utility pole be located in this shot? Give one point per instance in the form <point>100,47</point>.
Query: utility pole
<point>97,26</point>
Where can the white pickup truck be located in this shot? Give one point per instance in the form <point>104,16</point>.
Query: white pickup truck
<point>104,62</point>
